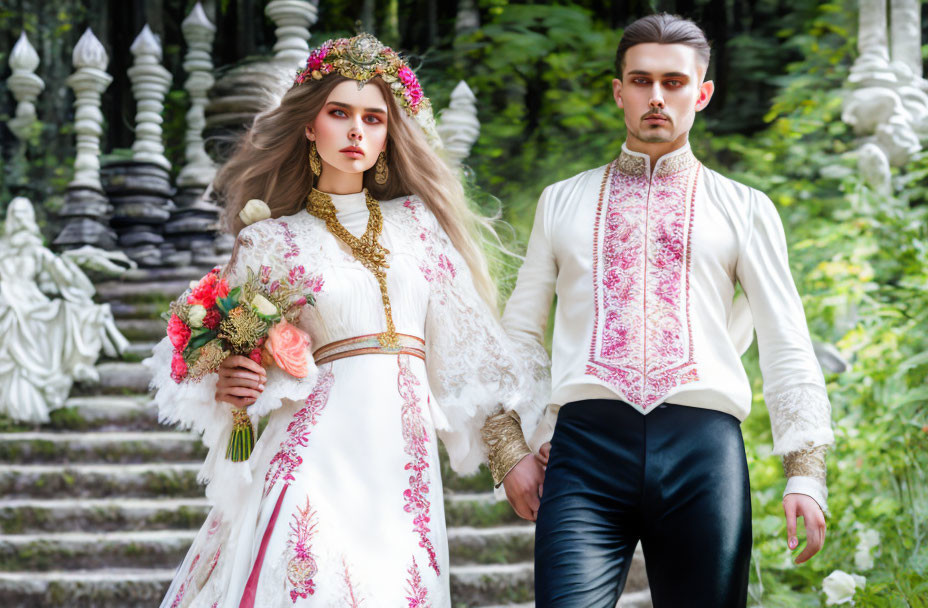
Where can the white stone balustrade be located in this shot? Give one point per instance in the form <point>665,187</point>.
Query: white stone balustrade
<point>293,19</point>
<point>25,85</point>
<point>199,33</point>
<point>88,81</point>
<point>150,83</point>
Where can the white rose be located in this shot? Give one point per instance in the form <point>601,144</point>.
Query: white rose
<point>839,587</point>
<point>195,316</point>
<point>868,540</point>
<point>263,306</point>
<point>255,210</point>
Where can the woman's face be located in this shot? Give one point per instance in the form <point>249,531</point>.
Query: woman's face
<point>351,129</point>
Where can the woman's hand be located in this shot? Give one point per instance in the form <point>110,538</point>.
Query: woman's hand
<point>241,381</point>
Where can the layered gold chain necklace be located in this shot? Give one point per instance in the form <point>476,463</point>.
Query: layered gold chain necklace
<point>365,249</point>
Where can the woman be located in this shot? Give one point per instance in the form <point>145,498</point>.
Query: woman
<point>341,501</point>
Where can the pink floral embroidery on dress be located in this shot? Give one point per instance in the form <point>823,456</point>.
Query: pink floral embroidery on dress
<point>289,238</point>
<point>418,593</point>
<point>302,567</point>
<point>642,336</point>
<point>288,457</point>
<point>352,598</point>
<point>186,584</point>
<point>416,437</point>
<point>438,268</point>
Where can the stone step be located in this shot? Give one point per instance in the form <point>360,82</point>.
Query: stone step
<point>136,351</point>
<point>99,447</point>
<point>142,329</point>
<point>75,550</point>
<point>497,545</point>
<point>35,515</point>
<point>108,588</point>
<point>166,548</point>
<point>31,516</point>
<point>106,413</point>
<point>137,310</point>
<point>478,509</point>
<point>492,584</point>
<point>119,378</point>
<point>173,480</point>
<point>143,588</point>
<point>157,292</point>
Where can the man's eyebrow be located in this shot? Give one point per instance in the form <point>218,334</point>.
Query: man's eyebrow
<point>351,107</point>
<point>665,75</point>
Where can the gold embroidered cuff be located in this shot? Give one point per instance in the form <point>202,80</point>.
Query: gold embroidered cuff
<point>502,434</point>
<point>806,463</point>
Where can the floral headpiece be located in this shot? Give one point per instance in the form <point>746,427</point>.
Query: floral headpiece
<point>363,57</point>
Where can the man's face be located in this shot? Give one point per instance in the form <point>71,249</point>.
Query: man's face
<point>661,90</point>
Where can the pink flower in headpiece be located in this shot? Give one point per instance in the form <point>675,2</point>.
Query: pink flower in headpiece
<point>317,57</point>
<point>413,90</point>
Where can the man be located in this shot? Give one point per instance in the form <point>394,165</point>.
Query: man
<point>648,389</point>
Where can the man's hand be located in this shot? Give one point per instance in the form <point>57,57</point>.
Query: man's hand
<point>241,381</point>
<point>800,505</point>
<point>523,487</point>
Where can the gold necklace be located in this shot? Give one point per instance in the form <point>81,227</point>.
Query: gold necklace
<point>366,249</point>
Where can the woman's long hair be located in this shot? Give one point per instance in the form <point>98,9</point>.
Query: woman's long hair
<point>271,163</point>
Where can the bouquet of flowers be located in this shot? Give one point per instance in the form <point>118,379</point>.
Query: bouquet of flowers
<point>212,320</point>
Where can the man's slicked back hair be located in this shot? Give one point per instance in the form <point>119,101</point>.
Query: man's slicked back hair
<point>663,28</point>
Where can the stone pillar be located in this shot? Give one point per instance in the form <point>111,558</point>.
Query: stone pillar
<point>199,34</point>
<point>458,125</point>
<point>25,86</point>
<point>293,19</point>
<point>191,230</point>
<point>906,38</point>
<point>86,211</point>
<point>150,83</point>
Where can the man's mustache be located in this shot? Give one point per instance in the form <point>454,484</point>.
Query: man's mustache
<point>656,113</point>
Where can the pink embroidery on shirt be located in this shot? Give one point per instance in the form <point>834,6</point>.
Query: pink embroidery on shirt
<point>642,342</point>
<point>302,567</point>
<point>416,437</point>
<point>418,593</point>
<point>288,456</point>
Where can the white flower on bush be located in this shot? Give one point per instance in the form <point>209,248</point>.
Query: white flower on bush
<point>839,587</point>
<point>868,540</point>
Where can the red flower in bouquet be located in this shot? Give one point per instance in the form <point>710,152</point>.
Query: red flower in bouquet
<point>213,317</point>
<point>178,367</point>
<point>178,333</point>
<point>206,290</point>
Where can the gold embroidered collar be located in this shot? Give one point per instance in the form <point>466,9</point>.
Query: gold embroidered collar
<point>637,164</point>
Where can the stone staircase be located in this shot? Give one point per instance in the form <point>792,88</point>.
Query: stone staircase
<point>100,505</point>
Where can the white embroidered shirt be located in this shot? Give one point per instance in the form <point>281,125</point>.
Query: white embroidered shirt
<point>644,267</point>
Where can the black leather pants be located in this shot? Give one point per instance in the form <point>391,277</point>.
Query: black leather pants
<point>676,479</point>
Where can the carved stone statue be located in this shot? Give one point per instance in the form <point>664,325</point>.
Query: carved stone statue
<point>52,329</point>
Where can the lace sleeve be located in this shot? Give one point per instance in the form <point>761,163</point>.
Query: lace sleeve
<point>794,387</point>
<point>192,404</point>
<point>473,365</point>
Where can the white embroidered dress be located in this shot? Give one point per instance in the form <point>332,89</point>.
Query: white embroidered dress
<point>341,501</point>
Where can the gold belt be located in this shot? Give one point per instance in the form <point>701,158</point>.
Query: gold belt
<point>369,345</point>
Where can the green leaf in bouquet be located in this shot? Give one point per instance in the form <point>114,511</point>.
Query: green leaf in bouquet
<point>200,338</point>
<point>229,302</point>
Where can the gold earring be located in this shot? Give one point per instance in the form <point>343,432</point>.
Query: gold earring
<point>315,163</point>
<point>382,171</point>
